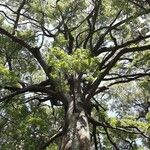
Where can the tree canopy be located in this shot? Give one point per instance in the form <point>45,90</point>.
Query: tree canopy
<point>74,74</point>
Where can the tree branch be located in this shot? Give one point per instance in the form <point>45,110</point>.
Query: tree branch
<point>111,64</point>
<point>34,50</point>
<point>32,88</point>
<point>128,76</point>
<point>18,15</point>
<point>60,133</point>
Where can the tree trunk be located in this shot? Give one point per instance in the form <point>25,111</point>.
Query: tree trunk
<point>77,136</point>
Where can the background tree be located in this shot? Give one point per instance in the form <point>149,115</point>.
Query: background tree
<point>62,67</point>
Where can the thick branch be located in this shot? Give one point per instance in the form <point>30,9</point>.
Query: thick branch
<point>34,50</point>
<point>128,43</point>
<point>111,64</point>
<point>32,88</point>
<point>60,133</point>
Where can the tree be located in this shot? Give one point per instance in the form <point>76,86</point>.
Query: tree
<point>72,53</point>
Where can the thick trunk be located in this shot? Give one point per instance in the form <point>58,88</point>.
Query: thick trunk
<point>77,136</point>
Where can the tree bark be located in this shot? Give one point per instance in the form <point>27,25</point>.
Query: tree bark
<point>77,135</point>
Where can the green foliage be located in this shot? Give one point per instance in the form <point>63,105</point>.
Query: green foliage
<point>35,5</point>
<point>3,70</point>
<point>53,147</point>
<point>35,121</point>
<point>26,126</point>
<point>145,85</point>
<point>63,64</point>
<point>111,7</point>
<point>1,20</point>
<point>132,99</point>
<point>142,59</point>
<point>8,45</point>
<point>129,122</point>
<point>60,41</point>
<point>6,76</point>
<point>148,116</point>
<point>27,35</point>
<point>56,26</point>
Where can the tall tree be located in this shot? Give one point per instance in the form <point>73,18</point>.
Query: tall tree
<point>71,53</point>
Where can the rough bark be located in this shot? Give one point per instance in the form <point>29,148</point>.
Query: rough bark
<point>77,136</point>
